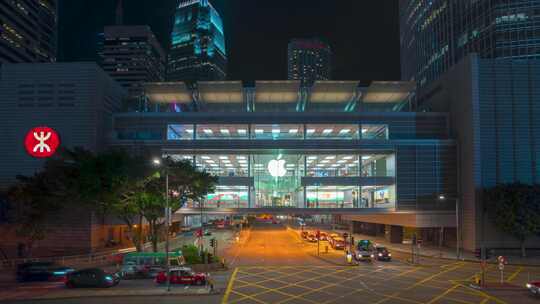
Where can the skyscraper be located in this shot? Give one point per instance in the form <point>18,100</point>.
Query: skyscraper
<point>197,43</point>
<point>131,55</point>
<point>308,60</point>
<point>437,34</point>
<point>28,31</point>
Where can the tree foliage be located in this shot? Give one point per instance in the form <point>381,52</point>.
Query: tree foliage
<point>514,209</point>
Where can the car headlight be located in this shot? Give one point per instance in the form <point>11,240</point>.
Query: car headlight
<point>528,285</point>
<point>108,278</point>
<point>380,254</point>
<point>372,256</point>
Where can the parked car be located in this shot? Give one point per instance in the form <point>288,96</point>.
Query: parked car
<point>311,237</point>
<point>382,253</point>
<point>41,271</point>
<point>182,275</point>
<point>364,251</point>
<point>92,277</point>
<point>534,288</point>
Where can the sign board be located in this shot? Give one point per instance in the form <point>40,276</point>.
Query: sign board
<point>41,142</point>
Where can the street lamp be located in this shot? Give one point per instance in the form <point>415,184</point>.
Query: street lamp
<point>442,197</point>
<point>157,162</point>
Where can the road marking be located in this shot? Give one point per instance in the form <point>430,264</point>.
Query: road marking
<point>229,286</point>
<point>513,276</point>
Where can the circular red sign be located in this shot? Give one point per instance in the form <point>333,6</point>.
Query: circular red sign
<point>41,142</point>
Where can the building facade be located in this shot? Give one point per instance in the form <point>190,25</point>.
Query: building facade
<point>333,147</point>
<point>308,60</point>
<point>77,101</point>
<point>132,55</point>
<point>28,31</point>
<point>493,105</point>
<point>435,35</point>
<point>197,43</point>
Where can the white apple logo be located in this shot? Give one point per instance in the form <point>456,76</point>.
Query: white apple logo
<point>276,167</point>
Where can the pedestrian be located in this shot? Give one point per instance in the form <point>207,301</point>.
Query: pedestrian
<point>210,282</point>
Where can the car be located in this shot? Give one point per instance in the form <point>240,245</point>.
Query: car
<point>337,242</point>
<point>534,287</point>
<point>92,277</point>
<point>382,253</point>
<point>182,275</point>
<point>331,236</point>
<point>41,271</point>
<point>311,237</point>
<point>323,236</point>
<point>304,234</point>
<point>364,251</point>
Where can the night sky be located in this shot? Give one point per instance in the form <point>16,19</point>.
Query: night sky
<point>363,34</point>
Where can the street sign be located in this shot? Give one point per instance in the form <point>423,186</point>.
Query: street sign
<point>501,266</point>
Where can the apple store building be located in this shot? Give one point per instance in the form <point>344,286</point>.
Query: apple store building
<point>278,144</point>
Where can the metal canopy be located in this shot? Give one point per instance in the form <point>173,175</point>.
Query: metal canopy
<point>168,92</point>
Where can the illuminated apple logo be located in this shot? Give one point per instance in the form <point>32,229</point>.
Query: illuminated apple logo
<point>276,167</point>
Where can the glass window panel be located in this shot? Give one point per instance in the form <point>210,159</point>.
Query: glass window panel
<point>179,132</point>
<point>228,197</point>
<point>378,197</point>
<point>222,131</point>
<point>277,131</point>
<point>378,165</point>
<point>331,131</point>
<point>224,164</point>
<point>332,165</point>
<point>374,131</point>
<point>332,197</point>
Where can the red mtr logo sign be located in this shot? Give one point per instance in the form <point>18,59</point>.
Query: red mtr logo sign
<point>41,142</point>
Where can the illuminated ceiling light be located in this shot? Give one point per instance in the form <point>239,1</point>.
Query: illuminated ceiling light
<point>205,157</point>
<point>275,131</point>
<point>223,157</point>
<point>327,131</point>
<point>348,157</point>
<point>226,161</point>
<point>344,131</point>
<point>240,157</point>
<point>224,131</point>
<point>312,157</point>
<point>309,131</point>
<point>228,165</point>
<point>330,157</point>
<point>242,131</point>
<point>366,157</point>
<point>320,165</point>
<point>213,165</point>
<point>187,157</point>
<point>290,165</point>
<point>293,131</point>
<point>259,131</point>
<point>208,131</point>
<point>341,161</point>
<point>189,130</point>
<point>242,161</point>
<point>336,165</point>
<point>325,161</point>
<point>351,165</point>
<point>364,130</point>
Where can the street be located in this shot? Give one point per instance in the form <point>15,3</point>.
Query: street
<point>271,263</point>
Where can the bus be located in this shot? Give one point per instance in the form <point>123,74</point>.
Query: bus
<point>153,258</point>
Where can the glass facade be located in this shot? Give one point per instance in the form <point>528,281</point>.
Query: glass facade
<point>277,131</point>
<point>437,34</point>
<point>278,180</point>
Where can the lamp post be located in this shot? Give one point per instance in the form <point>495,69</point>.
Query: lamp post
<point>442,197</point>
<point>157,162</point>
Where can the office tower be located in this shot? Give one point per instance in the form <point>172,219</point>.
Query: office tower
<point>309,60</point>
<point>435,35</point>
<point>197,43</point>
<point>28,31</point>
<point>131,55</point>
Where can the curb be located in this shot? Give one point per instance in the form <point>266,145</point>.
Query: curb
<point>217,292</point>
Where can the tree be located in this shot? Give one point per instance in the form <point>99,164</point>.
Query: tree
<point>514,209</point>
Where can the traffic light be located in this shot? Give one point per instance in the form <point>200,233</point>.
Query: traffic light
<point>213,242</point>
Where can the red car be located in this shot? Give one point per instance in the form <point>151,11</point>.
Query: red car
<point>182,275</point>
<point>534,287</point>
